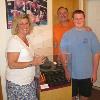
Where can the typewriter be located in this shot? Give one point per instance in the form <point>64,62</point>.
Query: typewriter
<point>54,73</point>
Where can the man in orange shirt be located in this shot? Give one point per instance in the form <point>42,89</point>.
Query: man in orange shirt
<point>64,25</point>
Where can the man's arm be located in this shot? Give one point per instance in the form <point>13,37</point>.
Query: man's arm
<point>65,59</point>
<point>87,28</point>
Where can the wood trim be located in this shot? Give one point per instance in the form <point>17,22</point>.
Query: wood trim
<point>85,7</point>
<point>1,97</point>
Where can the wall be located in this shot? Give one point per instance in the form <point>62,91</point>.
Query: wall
<point>4,35</point>
<point>44,33</point>
<point>93,20</point>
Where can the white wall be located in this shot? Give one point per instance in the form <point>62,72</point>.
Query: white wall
<point>93,17</point>
<point>4,35</point>
<point>44,33</point>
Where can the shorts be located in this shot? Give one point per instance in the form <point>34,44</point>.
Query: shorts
<point>83,87</point>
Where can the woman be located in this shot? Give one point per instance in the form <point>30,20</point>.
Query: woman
<point>20,74</point>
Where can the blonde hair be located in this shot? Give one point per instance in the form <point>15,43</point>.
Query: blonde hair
<point>16,21</point>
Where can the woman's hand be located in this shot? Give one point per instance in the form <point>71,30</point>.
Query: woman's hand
<point>38,60</point>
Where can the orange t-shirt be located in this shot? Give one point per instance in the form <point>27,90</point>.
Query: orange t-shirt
<point>58,30</point>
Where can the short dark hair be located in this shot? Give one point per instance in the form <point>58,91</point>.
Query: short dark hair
<point>61,8</point>
<point>78,12</point>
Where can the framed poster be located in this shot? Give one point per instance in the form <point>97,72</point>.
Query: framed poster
<point>37,9</point>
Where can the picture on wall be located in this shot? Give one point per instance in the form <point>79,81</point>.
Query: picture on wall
<point>37,10</point>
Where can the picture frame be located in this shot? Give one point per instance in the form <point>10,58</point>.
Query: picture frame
<point>37,10</point>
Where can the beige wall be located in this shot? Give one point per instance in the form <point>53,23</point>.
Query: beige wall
<point>70,4</point>
<point>93,20</point>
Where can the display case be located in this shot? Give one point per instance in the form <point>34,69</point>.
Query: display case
<point>52,75</point>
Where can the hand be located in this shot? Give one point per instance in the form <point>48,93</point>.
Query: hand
<point>88,29</point>
<point>94,77</point>
<point>68,76</point>
<point>38,60</point>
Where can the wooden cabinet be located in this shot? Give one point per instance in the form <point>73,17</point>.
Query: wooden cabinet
<point>63,93</point>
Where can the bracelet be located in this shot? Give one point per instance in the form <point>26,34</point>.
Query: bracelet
<point>30,65</point>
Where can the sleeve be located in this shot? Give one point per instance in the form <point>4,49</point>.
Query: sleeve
<point>64,47</point>
<point>95,44</point>
<point>13,45</point>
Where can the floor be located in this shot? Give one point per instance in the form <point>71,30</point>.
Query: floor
<point>95,94</point>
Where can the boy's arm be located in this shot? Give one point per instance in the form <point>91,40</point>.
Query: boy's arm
<point>96,59</point>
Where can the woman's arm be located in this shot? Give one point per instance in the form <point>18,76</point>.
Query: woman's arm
<point>13,63</point>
